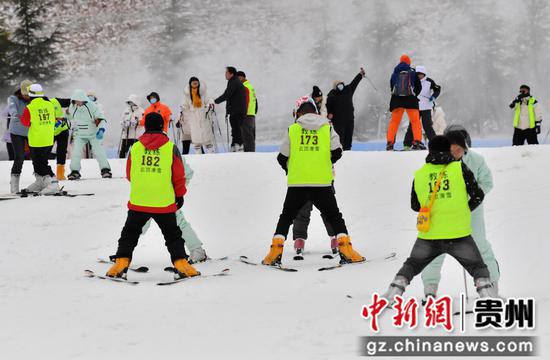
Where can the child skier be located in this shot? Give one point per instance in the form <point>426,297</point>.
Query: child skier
<point>460,143</point>
<point>440,193</point>
<point>157,185</point>
<point>307,155</point>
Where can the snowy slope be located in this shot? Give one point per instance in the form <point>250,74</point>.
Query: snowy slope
<point>48,309</point>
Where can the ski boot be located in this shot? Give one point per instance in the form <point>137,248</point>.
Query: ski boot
<point>197,255</point>
<point>119,268</point>
<point>14,183</point>
<point>299,246</point>
<point>397,287</point>
<point>60,173</point>
<point>418,145</point>
<point>276,252</point>
<point>184,269</point>
<point>37,185</point>
<point>389,146</point>
<point>347,253</point>
<point>485,288</point>
<point>51,186</point>
<point>406,148</point>
<point>106,173</point>
<point>429,290</point>
<point>334,244</point>
<point>74,175</point>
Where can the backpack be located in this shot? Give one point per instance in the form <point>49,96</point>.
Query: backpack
<point>403,84</point>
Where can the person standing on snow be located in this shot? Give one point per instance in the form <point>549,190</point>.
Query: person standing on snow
<point>157,186</point>
<point>307,155</point>
<point>235,96</point>
<point>460,142</point>
<point>444,192</point>
<point>248,127</point>
<point>195,105</point>
<point>527,117</point>
<point>18,132</point>
<point>131,130</point>
<point>39,117</point>
<point>61,135</point>
<point>405,87</point>
<point>430,91</point>
<point>340,109</point>
<point>88,124</point>
<point>159,108</point>
<point>320,101</point>
<point>4,114</point>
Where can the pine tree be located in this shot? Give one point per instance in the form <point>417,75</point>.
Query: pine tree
<point>33,54</point>
<point>4,50</point>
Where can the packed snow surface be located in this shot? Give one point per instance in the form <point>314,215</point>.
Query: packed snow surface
<point>49,310</point>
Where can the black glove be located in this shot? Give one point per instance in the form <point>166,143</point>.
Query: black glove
<point>179,202</point>
<point>537,127</point>
<point>178,124</point>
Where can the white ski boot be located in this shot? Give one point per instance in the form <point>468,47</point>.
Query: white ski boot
<point>51,186</point>
<point>37,185</point>
<point>485,288</point>
<point>397,287</point>
<point>197,255</point>
<point>14,183</point>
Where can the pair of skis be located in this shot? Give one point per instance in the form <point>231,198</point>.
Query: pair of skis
<point>387,257</point>
<point>26,194</point>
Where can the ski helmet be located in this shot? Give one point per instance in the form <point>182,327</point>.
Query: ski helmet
<point>462,130</point>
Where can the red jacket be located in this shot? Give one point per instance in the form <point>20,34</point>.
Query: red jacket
<point>152,141</point>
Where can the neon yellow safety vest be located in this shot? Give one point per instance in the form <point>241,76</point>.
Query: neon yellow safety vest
<point>151,176</point>
<point>251,110</point>
<point>450,214</point>
<point>530,108</point>
<point>42,123</point>
<point>309,163</point>
<point>59,115</point>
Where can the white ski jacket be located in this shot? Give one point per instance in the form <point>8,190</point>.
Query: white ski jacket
<point>130,119</point>
<point>195,118</point>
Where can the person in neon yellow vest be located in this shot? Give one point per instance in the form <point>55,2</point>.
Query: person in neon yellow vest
<point>39,117</point>
<point>307,155</point>
<point>157,186</point>
<point>527,117</point>
<point>248,127</point>
<point>450,219</point>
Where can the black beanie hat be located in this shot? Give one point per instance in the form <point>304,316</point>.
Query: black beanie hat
<point>241,73</point>
<point>525,87</point>
<point>153,94</point>
<point>154,122</point>
<point>439,144</point>
<point>457,137</point>
<point>316,92</point>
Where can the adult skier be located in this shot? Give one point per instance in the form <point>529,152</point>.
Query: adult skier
<point>131,129</point>
<point>527,117</point>
<point>39,117</point>
<point>235,96</point>
<point>320,101</point>
<point>18,132</point>
<point>340,108</point>
<point>405,87</point>
<point>248,127</point>
<point>460,149</point>
<point>157,186</point>
<point>195,105</point>
<point>430,91</point>
<point>88,124</point>
<point>444,192</point>
<point>307,155</point>
<point>158,107</point>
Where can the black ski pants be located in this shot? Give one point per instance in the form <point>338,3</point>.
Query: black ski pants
<point>322,198</point>
<point>462,249</point>
<point>62,140</point>
<point>344,129</point>
<point>167,224</point>
<point>301,223</point>
<point>236,121</point>
<point>125,146</point>
<point>427,125</point>
<point>40,157</point>
<point>18,142</point>
<point>529,135</point>
<point>248,133</point>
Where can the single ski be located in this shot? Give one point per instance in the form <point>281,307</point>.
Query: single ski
<point>67,194</point>
<point>141,269</point>
<point>172,270</point>
<point>245,260</point>
<point>390,256</point>
<point>223,272</point>
<point>91,274</point>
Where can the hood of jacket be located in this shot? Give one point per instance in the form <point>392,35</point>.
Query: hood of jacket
<point>439,158</point>
<point>401,67</point>
<point>202,89</point>
<point>312,121</point>
<point>79,95</point>
<point>133,98</point>
<point>153,140</point>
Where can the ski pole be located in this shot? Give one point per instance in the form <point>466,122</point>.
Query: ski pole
<point>227,129</point>
<point>371,83</point>
<point>465,285</point>
<point>120,141</point>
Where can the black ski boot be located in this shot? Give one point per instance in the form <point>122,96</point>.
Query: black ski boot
<point>389,146</point>
<point>74,175</point>
<point>106,173</point>
<point>418,145</point>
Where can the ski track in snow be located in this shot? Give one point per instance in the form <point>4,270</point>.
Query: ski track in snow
<point>233,203</point>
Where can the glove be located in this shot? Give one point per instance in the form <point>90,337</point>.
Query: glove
<point>178,124</point>
<point>179,202</point>
<point>100,133</point>
<point>537,126</point>
<point>58,123</point>
<point>432,98</point>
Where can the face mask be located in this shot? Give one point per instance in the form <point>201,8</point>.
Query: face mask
<point>340,87</point>
<point>153,100</point>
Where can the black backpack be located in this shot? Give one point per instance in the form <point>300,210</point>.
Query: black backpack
<point>403,85</point>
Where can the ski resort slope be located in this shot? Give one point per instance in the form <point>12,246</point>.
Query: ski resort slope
<point>49,310</point>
